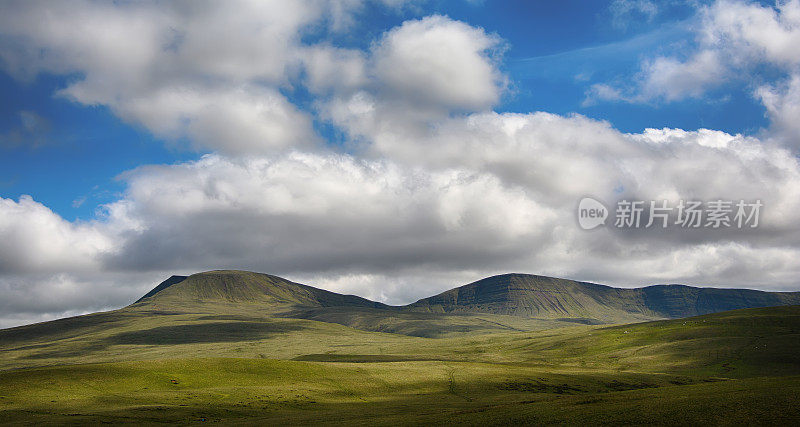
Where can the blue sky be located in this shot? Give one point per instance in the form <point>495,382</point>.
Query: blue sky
<point>555,52</point>
<point>388,148</point>
<point>74,165</point>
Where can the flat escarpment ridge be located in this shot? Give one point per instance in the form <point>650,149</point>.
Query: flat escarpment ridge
<point>547,297</point>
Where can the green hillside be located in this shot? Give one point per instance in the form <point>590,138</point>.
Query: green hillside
<point>244,287</point>
<point>551,298</point>
<point>742,365</point>
<point>237,347</point>
<point>510,302</point>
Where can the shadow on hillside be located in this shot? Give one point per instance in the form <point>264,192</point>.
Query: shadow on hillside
<point>66,352</point>
<point>62,328</point>
<point>203,333</point>
<point>217,332</point>
<point>368,358</point>
<point>236,317</point>
<point>411,323</point>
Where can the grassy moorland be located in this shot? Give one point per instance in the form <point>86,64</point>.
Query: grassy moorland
<point>179,359</point>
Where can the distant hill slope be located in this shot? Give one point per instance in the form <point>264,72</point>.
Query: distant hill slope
<point>550,298</point>
<point>243,287</point>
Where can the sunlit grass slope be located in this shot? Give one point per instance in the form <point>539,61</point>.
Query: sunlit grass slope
<point>705,369</point>
<point>252,391</point>
<point>245,348</point>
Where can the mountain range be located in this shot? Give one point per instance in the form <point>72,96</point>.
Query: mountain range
<point>503,303</point>
<point>507,301</point>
